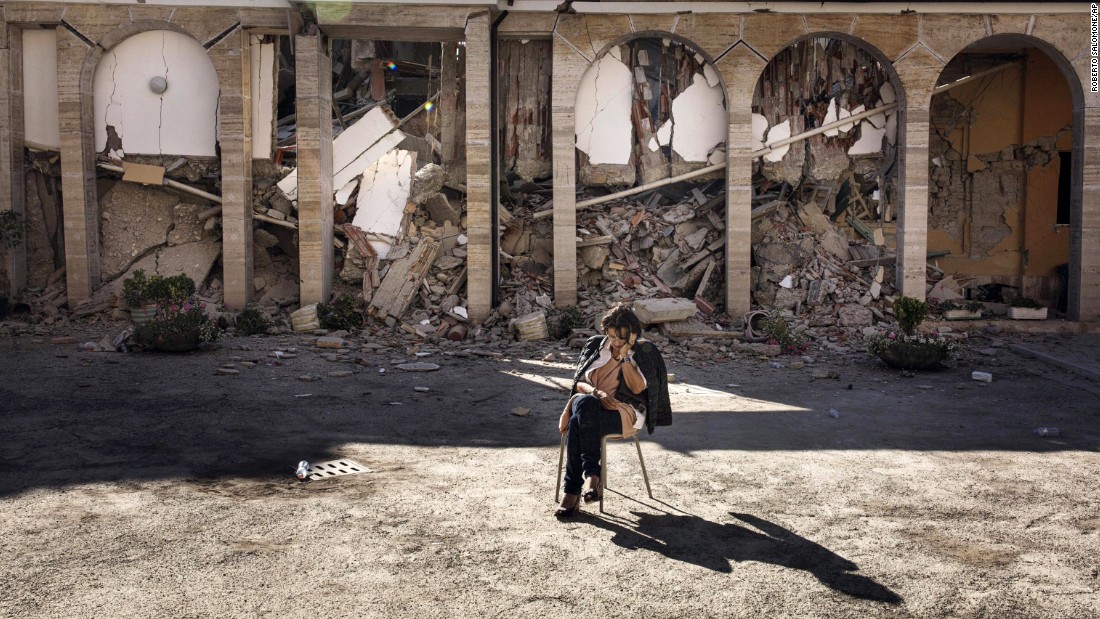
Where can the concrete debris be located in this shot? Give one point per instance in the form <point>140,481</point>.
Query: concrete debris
<point>653,311</point>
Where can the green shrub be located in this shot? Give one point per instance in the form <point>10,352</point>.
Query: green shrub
<point>779,332</point>
<point>909,313</point>
<point>1025,303</point>
<point>139,290</point>
<point>342,314</point>
<point>177,328</point>
<point>252,321</point>
<point>134,289</point>
<point>568,319</point>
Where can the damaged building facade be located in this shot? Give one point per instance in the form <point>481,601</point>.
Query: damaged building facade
<point>457,157</point>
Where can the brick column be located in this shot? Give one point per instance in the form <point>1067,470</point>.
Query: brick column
<point>912,242</point>
<point>568,68</point>
<point>313,76</point>
<point>231,61</point>
<point>81,212</point>
<point>740,70</point>
<point>1084,285</point>
<point>11,148</point>
<point>479,260</point>
<point>918,71</point>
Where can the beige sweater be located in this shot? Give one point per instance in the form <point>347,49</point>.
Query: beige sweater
<point>606,379</point>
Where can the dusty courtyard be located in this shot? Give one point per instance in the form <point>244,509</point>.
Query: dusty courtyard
<point>148,485</point>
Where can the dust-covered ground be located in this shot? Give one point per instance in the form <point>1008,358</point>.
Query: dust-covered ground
<point>148,485</point>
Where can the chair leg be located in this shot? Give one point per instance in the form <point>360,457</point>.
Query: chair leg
<point>603,469</point>
<point>561,462</point>
<point>645,475</point>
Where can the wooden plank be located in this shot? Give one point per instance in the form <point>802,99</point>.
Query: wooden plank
<point>525,97</point>
<point>596,240</point>
<point>403,279</point>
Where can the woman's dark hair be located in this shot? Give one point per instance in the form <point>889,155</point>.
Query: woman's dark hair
<point>621,317</point>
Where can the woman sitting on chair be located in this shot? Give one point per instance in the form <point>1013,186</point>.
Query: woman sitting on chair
<point>620,386</point>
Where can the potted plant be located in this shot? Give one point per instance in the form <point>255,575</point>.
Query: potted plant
<point>961,310</point>
<point>138,293</point>
<point>1023,308</point>
<point>178,328</point>
<point>907,349</point>
<point>149,296</point>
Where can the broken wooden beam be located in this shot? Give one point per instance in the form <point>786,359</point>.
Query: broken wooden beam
<point>403,279</point>
<point>767,209</point>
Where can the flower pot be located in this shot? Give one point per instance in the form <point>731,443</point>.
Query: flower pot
<point>142,315</point>
<point>905,356</point>
<point>1027,313</point>
<point>175,342</point>
<point>962,314</point>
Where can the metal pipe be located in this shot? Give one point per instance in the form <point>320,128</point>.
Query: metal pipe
<point>823,128</point>
<point>970,78</point>
<point>639,189</point>
<point>170,183</point>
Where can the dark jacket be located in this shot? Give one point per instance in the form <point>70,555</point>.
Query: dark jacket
<point>654,401</point>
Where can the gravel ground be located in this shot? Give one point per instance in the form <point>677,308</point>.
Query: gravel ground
<point>147,485</point>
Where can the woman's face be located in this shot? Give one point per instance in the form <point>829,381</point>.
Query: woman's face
<point>618,337</point>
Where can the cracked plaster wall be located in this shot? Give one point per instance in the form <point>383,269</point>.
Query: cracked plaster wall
<point>993,195</point>
<point>182,120</point>
<point>603,114</point>
<point>40,112</point>
<point>382,198</point>
<point>604,129</point>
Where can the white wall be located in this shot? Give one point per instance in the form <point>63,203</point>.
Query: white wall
<point>40,115</point>
<point>262,84</point>
<point>604,128</point>
<point>182,121</point>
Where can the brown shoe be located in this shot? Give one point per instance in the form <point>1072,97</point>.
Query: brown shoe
<point>565,510</point>
<point>592,494</point>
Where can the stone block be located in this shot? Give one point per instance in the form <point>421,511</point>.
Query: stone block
<point>426,183</point>
<point>855,315</point>
<point>788,298</point>
<point>594,256</point>
<point>653,311</point>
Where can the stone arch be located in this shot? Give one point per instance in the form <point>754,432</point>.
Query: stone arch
<point>890,173</point>
<point>228,52</point>
<point>1082,295</point>
<point>708,87</point>
<point>871,49</point>
<point>202,93</point>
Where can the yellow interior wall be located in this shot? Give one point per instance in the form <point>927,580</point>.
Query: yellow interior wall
<point>1049,109</point>
<point>1021,104</point>
<point>997,113</point>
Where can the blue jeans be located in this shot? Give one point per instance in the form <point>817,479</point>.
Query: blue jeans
<point>588,424</point>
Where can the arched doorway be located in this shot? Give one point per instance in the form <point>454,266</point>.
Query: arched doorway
<point>1003,191</point>
<point>826,173</point>
<point>651,107</point>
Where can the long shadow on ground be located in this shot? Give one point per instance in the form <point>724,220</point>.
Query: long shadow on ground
<point>714,546</point>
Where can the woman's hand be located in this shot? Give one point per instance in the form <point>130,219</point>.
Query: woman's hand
<point>563,422</point>
<point>624,352</point>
